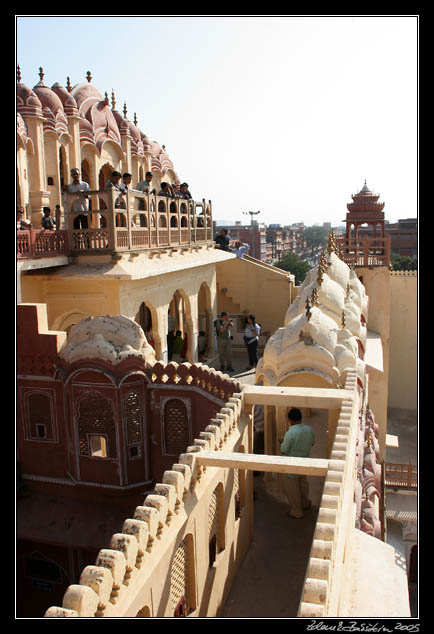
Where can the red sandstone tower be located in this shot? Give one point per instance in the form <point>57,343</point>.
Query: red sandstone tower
<point>361,250</point>
<point>365,209</point>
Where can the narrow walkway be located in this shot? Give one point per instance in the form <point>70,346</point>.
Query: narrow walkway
<point>270,580</point>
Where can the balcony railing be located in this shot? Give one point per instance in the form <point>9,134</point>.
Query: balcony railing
<point>32,243</point>
<point>142,222</point>
<point>400,476</point>
<point>365,251</point>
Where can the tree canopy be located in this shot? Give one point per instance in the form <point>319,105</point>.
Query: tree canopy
<point>299,268</point>
<point>315,236</point>
<point>403,263</point>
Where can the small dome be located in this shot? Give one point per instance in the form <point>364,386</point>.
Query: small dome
<point>69,104</point>
<point>85,91</point>
<point>27,101</point>
<point>48,98</point>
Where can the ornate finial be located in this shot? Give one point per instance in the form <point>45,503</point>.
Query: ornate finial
<point>322,267</point>
<point>308,311</point>
<point>314,297</point>
<point>125,109</point>
<point>68,85</point>
<point>135,119</point>
<point>343,319</point>
<point>88,76</point>
<point>41,73</point>
<point>113,100</point>
<point>18,74</point>
<point>106,99</point>
<point>331,243</point>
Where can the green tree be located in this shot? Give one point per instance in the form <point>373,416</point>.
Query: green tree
<point>315,236</point>
<point>290,262</point>
<point>403,263</point>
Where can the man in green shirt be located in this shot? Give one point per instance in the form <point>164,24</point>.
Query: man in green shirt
<point>298,442</point>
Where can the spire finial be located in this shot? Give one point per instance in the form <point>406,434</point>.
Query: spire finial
<point>41,73</point>
<point>125,109</point>
<point>343,319</point>
<point>113,100</point>
<point>68,84</point>
<point>88,76</point>
<point>314,297</point>
<point>106,99</point>
<point>135,119</point>
<point>308,311</point>
<point>18,74</point>
<point>331,242</point>
<point>322,267</point>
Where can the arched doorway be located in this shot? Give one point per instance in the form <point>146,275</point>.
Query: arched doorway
<point>180,327</point>
<point>205,322</point>
<point>147,320</point>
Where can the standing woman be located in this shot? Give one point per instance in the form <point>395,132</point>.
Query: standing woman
<point>251,337</point>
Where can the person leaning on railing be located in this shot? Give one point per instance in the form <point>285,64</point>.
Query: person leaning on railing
<point>145,186</point>
<point>47,223</point>
<point>222,240</point>
<point>81,203</point>
<point>166,190</point>
<point>22,223</point>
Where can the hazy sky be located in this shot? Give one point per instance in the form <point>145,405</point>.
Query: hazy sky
<point>282,114</point>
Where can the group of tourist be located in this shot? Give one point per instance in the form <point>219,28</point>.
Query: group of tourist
<point>48,223</point>
<point>222,240</point>
<point>224,328</point>
<point>119,182</point>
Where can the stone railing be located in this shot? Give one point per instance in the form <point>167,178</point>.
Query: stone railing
<point>365,251</point>
<point>336,517</point>
<point>32,243</point>
<point>142,222</point>
<point>140,573</point>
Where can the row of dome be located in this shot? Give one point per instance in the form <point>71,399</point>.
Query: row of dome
<point>322,328</point>
<point>97,121</point>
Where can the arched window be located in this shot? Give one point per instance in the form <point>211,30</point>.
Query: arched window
<point>96,426</point>
<point>40,417</point>
<point>176,427</point>
<point>215,524</point>
<point>182,583</point>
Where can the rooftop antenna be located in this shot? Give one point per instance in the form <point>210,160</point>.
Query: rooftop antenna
<point>252,213</point>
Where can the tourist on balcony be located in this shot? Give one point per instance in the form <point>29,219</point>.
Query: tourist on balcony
<point>166,190</point>
<point>115,183</point>
<point>81,202</point>
<point>222,240</point>
<point>297,442</point>
<point>183,191</point>
<point>22,223</point>
<point>48,223</point>
<point>240,248</point>
<point>224,341</point>
<point>251,338</point>
<point>146,185</point>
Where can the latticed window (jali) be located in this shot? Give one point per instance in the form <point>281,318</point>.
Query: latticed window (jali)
<point>176,428</point>
<point>213,526</point>
<point>179,578</point>
<point>134,418</point>
<point>96,417</point>
<point>237,493</point>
